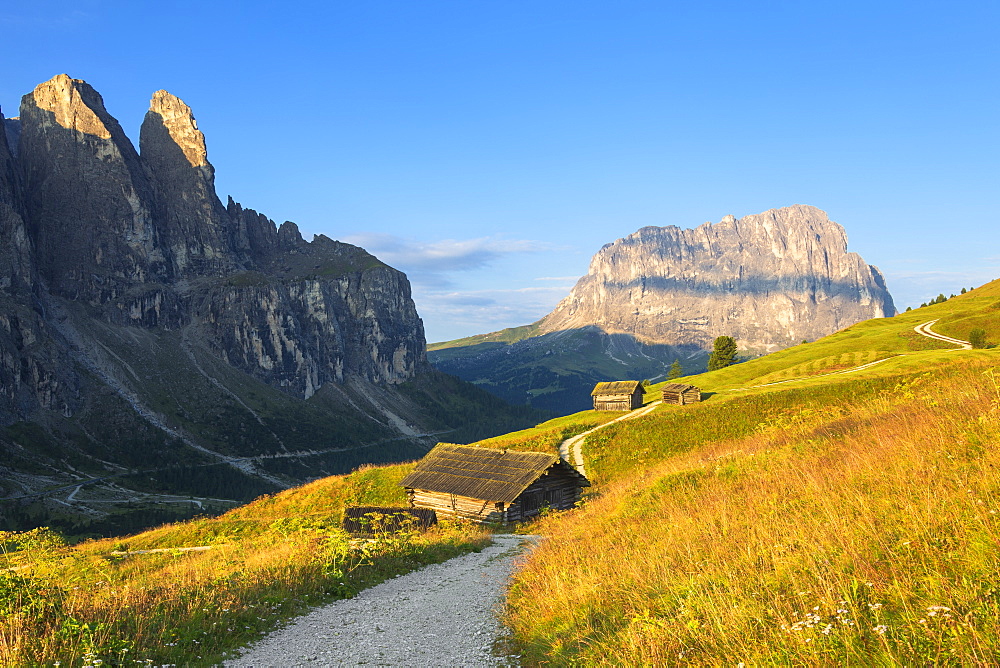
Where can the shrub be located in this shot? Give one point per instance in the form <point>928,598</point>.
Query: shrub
<point>977,337</point>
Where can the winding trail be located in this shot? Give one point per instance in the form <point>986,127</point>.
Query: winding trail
<point>574,444</point>
<point>925,330</point>
<point>441,615</point>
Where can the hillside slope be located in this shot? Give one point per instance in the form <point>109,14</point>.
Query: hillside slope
<point>836,519</point>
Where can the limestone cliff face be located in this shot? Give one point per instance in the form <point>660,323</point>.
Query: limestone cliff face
<point>319,323</point>
<point>769,280</point>
<point>142,240</point>
<point>193,222</point>
<point>33,370</point>
<point>88,196</point>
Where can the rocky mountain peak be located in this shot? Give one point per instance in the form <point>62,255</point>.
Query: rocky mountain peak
<point>88,195</point>
<point>195,225</point>
<point>770,280</point>
<point>72,104</point>
<point>176,117</point>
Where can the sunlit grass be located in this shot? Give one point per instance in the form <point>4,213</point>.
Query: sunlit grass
<point>856,525</point>
<point>267,561</point>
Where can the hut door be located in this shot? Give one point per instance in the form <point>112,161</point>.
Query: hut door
<point>454,501</point>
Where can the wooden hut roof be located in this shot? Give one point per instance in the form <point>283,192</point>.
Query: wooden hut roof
<point>677,387</point>
<point>479,473</point>
<point>615,387</point>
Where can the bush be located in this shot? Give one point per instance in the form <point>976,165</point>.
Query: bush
<point>977,337</point>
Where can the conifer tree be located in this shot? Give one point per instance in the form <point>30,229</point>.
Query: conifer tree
<point>723,353</point>
<point>676,371</point>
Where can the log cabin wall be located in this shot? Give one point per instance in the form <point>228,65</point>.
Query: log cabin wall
<point>557,490</point>
<point>680,394</point>
<point>613,403</point>
<point>451,505</point>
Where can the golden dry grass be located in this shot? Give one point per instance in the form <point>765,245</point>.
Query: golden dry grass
<point>269,560</point>
<point>867,534</point>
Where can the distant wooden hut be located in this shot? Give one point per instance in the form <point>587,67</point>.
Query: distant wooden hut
<point>680,394</point>
<point>372,520</point>
<point>488,485</point>
<point>618,395</point>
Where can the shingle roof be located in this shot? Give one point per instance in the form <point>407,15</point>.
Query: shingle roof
<point>678,387</point>
<point>615,387</point>
<point>479,473</point>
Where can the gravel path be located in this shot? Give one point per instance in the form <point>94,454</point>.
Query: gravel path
<point>441,615</point>
<point>574,445</point>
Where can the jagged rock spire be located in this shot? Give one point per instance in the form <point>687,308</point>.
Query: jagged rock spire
<point>84,179</point>
<point>195,225</point>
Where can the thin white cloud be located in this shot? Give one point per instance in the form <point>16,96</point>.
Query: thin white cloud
<point>433,268</point>
<point>443,255</point>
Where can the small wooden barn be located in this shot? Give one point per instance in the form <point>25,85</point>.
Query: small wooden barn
<point>618,395</point>
<point>680,394</point>
<point>488,485</point>
<point>373,520</point>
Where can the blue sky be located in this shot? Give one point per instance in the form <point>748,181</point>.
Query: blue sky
<point>490,148</point>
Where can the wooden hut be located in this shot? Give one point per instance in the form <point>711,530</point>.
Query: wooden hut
<point>618,395</point>
<point>372,520</point>
<point>680,394</point>
<point>488,485</point>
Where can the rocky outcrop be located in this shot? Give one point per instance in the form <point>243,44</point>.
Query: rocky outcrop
<point>34,374</point>
<point>770,280</point>
<point>88,197</point>
<point>143,240</point>
<point>193,223</point>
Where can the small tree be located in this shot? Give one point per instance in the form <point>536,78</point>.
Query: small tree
<point>723,353</point>
<point>977,337</point>
<point>676,371</point>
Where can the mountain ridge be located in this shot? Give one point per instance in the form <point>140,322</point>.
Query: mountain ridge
<point>662,294</point>
<point>147,326</point>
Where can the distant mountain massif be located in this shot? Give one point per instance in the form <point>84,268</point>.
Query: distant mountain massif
<point>663,293</point>
<point>155,343</point>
